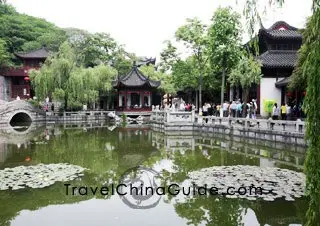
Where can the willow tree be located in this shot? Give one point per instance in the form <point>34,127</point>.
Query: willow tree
<point>52,78</point>
<point>62,80</point>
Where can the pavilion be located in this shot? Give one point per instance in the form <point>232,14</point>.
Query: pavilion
<point>15,81</point>
<point>136,93</point>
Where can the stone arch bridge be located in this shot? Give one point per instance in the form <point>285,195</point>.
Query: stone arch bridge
<point>19,111</point>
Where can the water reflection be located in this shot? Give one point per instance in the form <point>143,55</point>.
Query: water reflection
<point>109,152</point>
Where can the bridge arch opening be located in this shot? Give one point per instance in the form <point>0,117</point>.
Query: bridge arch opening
<point>20,118</point>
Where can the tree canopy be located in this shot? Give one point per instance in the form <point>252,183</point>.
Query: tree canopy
<point>22,32</point>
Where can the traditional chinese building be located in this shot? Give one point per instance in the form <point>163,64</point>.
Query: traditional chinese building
<point>278,52</point>
<point>15,81</point>
<point>136,92</point>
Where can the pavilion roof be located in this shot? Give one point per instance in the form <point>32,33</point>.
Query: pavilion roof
<point>279,58</point>
<point>135,78</point>
<point>281,30</point>
<point>41,53</point>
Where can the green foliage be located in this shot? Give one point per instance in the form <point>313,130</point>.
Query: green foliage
<point>58,94</point>
<point>96,49</point>
<point>246,73</point>
<point>167,85</point>
<point>168,57</point>
<point>193,35</point>
<point>225,39</point>
<point>184,74</point>
<point>22,32</point>
<point>298,78</point>
<point>4,55</point>
<point>35,103</point>
<point>60,78</point>
<point>124,119</point>
<point>311,70</point>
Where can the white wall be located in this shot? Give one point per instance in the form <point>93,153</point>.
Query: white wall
<point>268,91</point>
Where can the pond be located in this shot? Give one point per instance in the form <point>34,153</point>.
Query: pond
<point>111,152</point>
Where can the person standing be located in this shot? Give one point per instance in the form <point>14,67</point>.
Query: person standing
<point>283,112</point>
<point>205,109</point>
<point>275,112</point>
<point>225,108</point>
<point>254,109</point>
<point>239,109</point>
<point>288,112</point>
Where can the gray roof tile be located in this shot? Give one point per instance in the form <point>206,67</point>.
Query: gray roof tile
<point>41,53</point>
<point>279,58</point>
<point>135,78</point>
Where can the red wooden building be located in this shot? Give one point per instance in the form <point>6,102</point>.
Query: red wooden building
<point>14,81</point>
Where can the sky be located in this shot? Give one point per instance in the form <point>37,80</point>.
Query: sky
<point>143,25</point>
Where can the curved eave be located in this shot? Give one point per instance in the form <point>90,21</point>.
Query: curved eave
<point>120,84</point>
<point>28,57</point>
<point>266,33</point>
<point>268,66</point>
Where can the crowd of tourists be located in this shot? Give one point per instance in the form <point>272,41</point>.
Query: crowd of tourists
<point>238,109</point>
<point>287,112</point>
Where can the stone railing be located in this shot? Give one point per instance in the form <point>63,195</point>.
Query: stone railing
<point>167,116</point>
<point>173,116</point>
<point>267,124</point>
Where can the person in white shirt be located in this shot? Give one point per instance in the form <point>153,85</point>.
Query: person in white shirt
<point>288,113</point>
<point>275,112</point>
<point>205,109</point>
<point>225,108</point>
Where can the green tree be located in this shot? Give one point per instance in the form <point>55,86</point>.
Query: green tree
<point>246,73</point>
<point>224,42</point>
<point>62,79</point>
<point>183,73</point>
<point>54,74</point>
<point>4,55</point>
<point>194,37</point>
<point>168,56</point>
<point>166,80</point>
<point>22,32</point>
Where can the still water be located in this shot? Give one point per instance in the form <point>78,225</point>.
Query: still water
<point>109,152</point>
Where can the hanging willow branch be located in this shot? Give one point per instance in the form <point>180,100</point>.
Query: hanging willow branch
<point>62,80</point>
